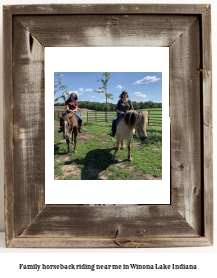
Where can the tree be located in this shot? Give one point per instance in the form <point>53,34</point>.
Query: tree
<point>103,89</point>
<point>59,87</point>
<point>154,105</point>
<point>135,105</point>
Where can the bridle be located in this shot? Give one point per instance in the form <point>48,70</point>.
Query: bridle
<point>68,123</point>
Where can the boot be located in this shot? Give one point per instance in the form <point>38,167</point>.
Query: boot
<point>79,130</point>
<point>60,129</point>
<point>113,133</point>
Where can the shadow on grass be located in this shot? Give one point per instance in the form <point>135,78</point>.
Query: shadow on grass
<point>60,149</point>
<point>93,163</point>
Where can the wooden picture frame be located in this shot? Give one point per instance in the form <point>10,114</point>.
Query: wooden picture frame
<point>186,30</point>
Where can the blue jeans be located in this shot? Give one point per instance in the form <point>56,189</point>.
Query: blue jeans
<point>78,116</point>
<point>114,122</point>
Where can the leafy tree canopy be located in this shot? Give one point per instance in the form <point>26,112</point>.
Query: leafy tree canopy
<point>103,88</point>
<point>59,87</point>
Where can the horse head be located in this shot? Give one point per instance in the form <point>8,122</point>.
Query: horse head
<point>67,126</point>
<point>141,120</point>
<point>138,121</point>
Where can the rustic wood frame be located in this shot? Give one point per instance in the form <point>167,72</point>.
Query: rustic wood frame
<point>188,220</point>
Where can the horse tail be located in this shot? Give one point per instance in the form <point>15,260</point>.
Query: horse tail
<point>130,119</point>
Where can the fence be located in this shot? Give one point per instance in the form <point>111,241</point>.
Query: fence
<point>57,114</point>
<point>155,116</point>
<point>97,116</point>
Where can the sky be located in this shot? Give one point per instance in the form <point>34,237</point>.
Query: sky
<point>141,86</point>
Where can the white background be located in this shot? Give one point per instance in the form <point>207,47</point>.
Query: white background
<point>139,59</point>
<point>205,257</point>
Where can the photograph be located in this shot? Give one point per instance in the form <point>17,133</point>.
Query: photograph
<point>107,125</point>
<point>111,125</point>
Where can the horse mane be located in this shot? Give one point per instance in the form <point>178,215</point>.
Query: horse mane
<point>72,118</point>
<point>131,118</point>
<point>70,115</point>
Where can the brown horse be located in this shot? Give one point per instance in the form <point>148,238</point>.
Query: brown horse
<point>126,127</point>
<point>70,126</point>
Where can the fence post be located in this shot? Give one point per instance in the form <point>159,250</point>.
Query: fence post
<point>149,112</point>
<point>87,116</point>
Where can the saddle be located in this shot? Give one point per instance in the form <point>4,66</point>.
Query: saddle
<point>69,115</point>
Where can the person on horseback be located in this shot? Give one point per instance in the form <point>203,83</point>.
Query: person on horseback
<point>124,105</point>
<point>71,106</point>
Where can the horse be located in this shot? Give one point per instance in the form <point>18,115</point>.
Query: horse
<point>70,125</point>
<point>126,127</point>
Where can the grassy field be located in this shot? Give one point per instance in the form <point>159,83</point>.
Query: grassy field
<point>94,152</point>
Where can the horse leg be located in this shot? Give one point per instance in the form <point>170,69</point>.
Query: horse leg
<point>67,141</point>
<point>72,138</point>
<point>129,148</point>
<point>116,149</point>
<point>75,132</point>
<point>122,144</point>
<point>75,141</point>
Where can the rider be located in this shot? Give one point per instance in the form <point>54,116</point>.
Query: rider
<point>71,106</point>
<point>124,105</point>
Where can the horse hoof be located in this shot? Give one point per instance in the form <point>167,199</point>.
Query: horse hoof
<point>130,159</point>
<point>75,151</point>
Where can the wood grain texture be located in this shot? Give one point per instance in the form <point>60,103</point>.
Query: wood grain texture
<point>108,243</point>
<point>107,30</point>
<point>185,113</point>
<point>106,9</point>
<point>186,30</point>
<point>208,182</point>
<point>207,67</point>
<point>8,125</point>
<point>207,122</point>
<point>29,139</point>
<point>109,222</point>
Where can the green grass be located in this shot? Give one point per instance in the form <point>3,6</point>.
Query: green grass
<point>94,153</point>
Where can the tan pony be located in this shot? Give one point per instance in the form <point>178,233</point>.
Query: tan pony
<point>125,129</point>
<point>70,126</point>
